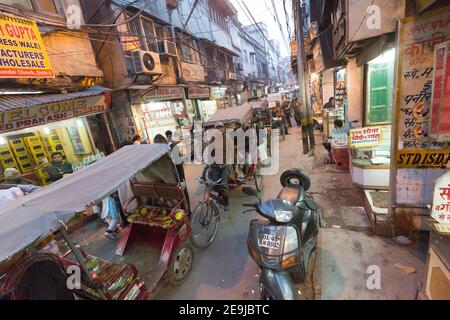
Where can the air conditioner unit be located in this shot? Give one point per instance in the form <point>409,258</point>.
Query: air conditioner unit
<point>146,62</point>
<point>239,66</point>
<point>168,47</point>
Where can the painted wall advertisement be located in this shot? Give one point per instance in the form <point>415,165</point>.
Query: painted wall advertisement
<point>440,210</point>
<point>27,117</point>
<point>22,52</point>
<point>418,38</point>
<point>366,137</point>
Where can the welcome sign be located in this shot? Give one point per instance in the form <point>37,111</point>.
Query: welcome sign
<point>22,52</point>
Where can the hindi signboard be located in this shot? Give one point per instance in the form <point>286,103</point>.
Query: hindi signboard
<point>440,210</point>
<point>418,37</point>
<point>166,93</point>
<point>366,137</point>
<point>22,51</point>
<point>199,93</point>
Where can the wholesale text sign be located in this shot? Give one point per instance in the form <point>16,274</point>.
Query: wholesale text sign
<point>22,52</point>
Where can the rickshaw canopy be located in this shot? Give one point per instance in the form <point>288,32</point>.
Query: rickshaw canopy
<point>240,114</point>
<point>259,104</point>
<point>27,219</point>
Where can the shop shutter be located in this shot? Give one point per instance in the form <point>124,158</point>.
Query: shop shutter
<point>378,93</point>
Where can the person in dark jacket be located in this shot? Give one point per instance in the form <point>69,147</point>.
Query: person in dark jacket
<point>58,168</point>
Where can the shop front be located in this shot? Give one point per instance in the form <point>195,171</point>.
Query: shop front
<point>220,95</point>
<point>34,126</point>
<point>161,109</point>
<point>371,144</point>
<point>197,99</point>
<point>420,170</point>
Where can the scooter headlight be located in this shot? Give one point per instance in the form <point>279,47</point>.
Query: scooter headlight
<point>283,216</point>
<point>290,249</point>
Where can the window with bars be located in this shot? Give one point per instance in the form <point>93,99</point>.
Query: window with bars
<point>218,17</point>
<point>149,39</point>
<point>49,7</point>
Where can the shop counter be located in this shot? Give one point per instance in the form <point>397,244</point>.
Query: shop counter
<point>369,176</point>
<point>437,282</point>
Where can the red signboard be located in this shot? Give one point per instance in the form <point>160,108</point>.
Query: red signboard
<point>166,93</point>
<point>199,93</point>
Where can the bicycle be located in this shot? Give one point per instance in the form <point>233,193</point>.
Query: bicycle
<point>206,215</point>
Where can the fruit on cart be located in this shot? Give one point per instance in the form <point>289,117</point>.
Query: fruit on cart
<point>92,263</point>
<point>133,217</point>
<point>179,215</point>
<point>144,211</point>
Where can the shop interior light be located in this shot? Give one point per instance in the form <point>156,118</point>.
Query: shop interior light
<point>385,57</point>
<point>20,92</point>
<point>3,141</point>
<point>80,123</point>
<point>46,130</point>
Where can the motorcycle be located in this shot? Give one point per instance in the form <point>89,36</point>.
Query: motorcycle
<point>282,245</point>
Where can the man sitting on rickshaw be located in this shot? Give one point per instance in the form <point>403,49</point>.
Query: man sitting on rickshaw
<point>219,171</point>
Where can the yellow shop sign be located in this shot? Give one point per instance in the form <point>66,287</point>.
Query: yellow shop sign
<point>22,52</point>
<point>423,159</point>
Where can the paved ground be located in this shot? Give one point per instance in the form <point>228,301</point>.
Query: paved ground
<point>347,246</point>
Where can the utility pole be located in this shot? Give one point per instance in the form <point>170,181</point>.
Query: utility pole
<point>303,79</point>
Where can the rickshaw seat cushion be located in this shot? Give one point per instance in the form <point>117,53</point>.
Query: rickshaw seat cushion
<point>110,272</point>
<point>157,190</point>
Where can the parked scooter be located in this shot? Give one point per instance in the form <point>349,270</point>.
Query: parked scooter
<point>282,245</point>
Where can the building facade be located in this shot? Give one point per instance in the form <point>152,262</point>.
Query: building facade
<point>51,96</point>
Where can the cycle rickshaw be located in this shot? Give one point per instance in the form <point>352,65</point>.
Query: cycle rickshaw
<point>50,230</point>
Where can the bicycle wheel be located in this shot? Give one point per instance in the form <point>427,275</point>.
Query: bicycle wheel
<point>204,223</point>
<point>259,182</point>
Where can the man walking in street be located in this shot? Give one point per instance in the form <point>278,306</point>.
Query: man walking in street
<point>287,112</point>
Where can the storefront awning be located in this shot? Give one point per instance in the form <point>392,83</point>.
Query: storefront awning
<point>24,111</point>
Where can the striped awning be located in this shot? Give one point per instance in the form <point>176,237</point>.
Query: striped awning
<point>17,101</point>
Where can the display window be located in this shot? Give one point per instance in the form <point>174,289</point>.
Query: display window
<point>30,150</point>
<point>379,88</point>
<point>209,107</point>
<point>157,117</point>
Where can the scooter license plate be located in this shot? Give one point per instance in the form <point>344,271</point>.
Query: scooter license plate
<point>269,241</point>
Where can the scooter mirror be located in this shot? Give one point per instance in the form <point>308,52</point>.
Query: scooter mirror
<point>249,191</point>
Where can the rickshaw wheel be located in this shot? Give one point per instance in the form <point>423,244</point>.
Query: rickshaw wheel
<point>181,264</point>
<point>204,223</point>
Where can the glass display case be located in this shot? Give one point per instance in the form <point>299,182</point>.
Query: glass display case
<point>370,157</point>
<point>328,120</point>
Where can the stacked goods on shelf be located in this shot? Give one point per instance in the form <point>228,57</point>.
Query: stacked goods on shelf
<point>36,149</point>
<point>7,159</point>
<point>24,162</point>
<point>43,176</point>
<point>52,144</point>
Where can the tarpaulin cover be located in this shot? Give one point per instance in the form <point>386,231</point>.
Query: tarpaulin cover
<point>25,220</point>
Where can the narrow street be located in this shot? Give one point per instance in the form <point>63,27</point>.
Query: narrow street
<point>346,248</point>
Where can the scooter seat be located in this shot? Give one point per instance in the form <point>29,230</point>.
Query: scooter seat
<point>291,193</point>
